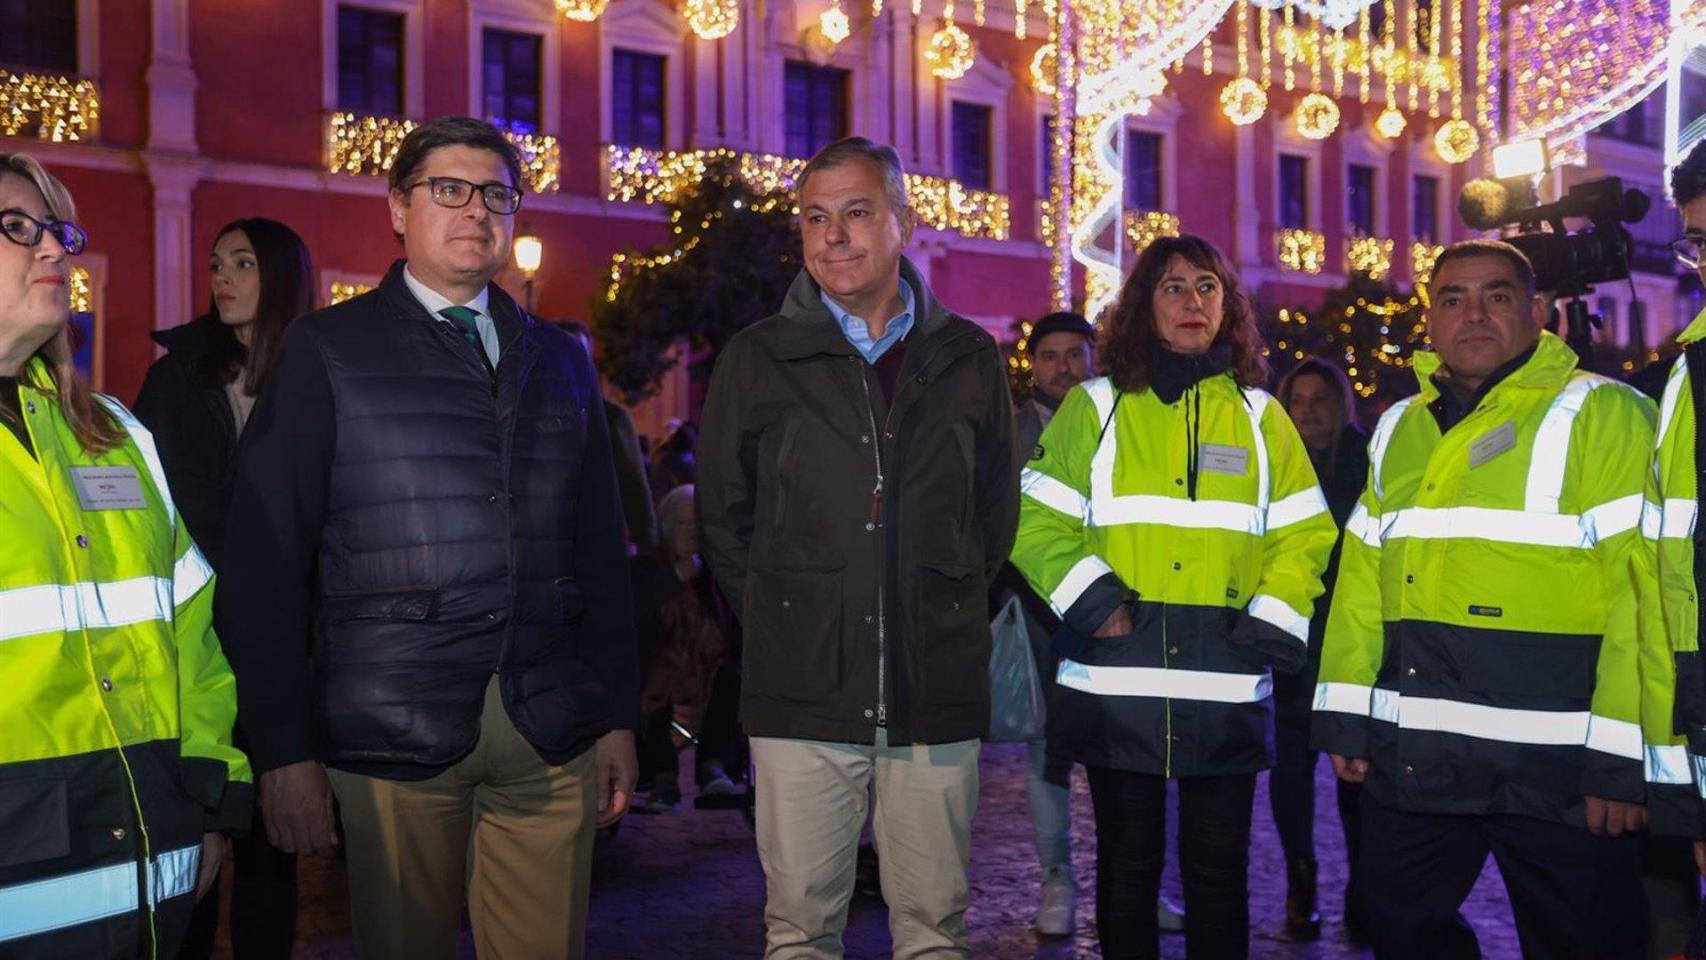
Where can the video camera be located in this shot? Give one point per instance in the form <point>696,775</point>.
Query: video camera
<point>1566,264</point>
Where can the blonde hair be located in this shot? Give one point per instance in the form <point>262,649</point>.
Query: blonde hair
<point>94,426</point>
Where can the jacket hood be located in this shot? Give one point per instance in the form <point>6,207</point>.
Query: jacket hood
<point>1696,330</point>
<point>1550,366</point>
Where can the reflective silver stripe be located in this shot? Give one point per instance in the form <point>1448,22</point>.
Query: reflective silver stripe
<point>1270,609</point>
<point>1546,727</point>
<point>1551,450</point>
<point>1667,764</point>
<point>1620,738</point>
<point>1165,684</point>
<point>1673,393</point>
<point>1352,698</point>
<point>42,906</point>
<point>1485,523</point>
<point>1256,404</point>
<point>150,454</point>
<point>1698,765</point>
<point>1077,580</point>
<point>1677,518</point>
<point>1300,506</point>
<point>189,575</point>
<point>1177,512</point>
<point>1101,392</point>
<point>1383,431</point>
<point>1652,519</point>
<point>53,608</point>
<point>1363,527</point>
<point>1052,493</point>
<point>1613,517</point>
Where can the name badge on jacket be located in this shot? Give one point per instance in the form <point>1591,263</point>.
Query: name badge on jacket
<point>108,488</point>
<point>1489,445</point>
<point>1214,458</point>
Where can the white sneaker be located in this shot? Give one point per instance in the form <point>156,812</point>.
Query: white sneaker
<point>1057,915</point>
<point>1168,918</point>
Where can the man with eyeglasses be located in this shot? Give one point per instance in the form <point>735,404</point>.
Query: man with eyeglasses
<point>426,601</point>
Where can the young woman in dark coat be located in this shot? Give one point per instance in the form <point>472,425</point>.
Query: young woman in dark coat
<point>196,400</point>
<point>1318,396</point>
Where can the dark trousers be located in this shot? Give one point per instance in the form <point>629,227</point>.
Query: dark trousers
<point>721,739</point>
<point>1214,860</point>
<point>1575,896</point>
<point>263,903</point>
<point>1291,789</point>
<point>655,749</point>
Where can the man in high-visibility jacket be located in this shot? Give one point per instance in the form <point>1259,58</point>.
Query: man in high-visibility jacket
<point>1481,664</point>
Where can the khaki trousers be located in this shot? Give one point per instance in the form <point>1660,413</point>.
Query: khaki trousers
<point>812,800</point>
<point>501,828</point>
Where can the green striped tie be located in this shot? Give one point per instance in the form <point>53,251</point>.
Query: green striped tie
<point>462,318</point>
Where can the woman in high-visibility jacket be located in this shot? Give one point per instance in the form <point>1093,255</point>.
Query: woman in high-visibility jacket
<point>1173,520</point>
<point>117,773</point>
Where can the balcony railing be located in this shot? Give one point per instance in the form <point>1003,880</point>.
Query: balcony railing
<point>1422,257</point>
<point>48,107</point>
<point>646,175</point>
<point>1143,227</point>
<point>1370,255</point>
<point>366,145</point>
<point>1301,251</point>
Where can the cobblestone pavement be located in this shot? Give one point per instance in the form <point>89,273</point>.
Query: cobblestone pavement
<point>687,884</point>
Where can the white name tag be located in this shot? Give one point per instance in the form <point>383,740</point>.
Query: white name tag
<point>1490,445</point>
<point>108,488</point>
<point>1213,457</point>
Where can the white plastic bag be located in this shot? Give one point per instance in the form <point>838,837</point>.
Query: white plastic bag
<point>1016,710</point>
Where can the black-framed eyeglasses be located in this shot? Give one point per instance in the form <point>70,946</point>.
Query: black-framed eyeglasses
<point>25,231</point>
<point>1690,250</point>
<point>455,192</point>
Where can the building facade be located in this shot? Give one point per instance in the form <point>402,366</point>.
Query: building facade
<point>170,118</point>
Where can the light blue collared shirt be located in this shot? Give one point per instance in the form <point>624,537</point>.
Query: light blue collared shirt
<point>859,334</point>
<point>435,301</point>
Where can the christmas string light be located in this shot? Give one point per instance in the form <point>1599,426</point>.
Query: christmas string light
<point>1288,48</point>
<point>1365,28</point>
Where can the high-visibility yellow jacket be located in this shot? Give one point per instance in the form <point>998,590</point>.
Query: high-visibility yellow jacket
<point>1482,651</point>
<point>116,702</point>
<point>1203,515</point>
<point>1673,717</point>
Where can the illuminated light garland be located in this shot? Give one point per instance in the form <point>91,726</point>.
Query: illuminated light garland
<point>714,19</point>
<point>641,174</point>
<point>951,51</point>
<point>1289,47</point>
<point>1302,251</point>
<point>1390,124</point>
<point>82,291</point>
<point>585,11</point>
<point>1435,24</point>
<point>1020,12</point>
<point>977,13</point>
<point>834,25</point>
<point>1485,95</point>
<point>1338,54</point>
<point>1422,257</point>
<point>358,144</point>
<point>1370,255</point>
<point>1334,14</point>
<point>1412,47</point>
<point>1144,227</point>
<point>1456,141</point>
<point>342,291</point>
<point>56,109</point>
<point>1365,58</point>
<point>541,160</point>
<point>1243,101</point>
<point>1043,67</point>
<point>1265,49</point>
<point>1575,64</point>
<point>1317,116</point>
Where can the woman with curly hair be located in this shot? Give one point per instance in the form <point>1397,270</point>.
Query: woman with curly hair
<point>1173,521</point>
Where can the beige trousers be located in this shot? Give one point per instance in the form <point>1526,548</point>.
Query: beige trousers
<point>500,828</point>
<point>812,801</point>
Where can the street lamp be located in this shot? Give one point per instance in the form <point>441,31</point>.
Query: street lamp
<point>529,250</point>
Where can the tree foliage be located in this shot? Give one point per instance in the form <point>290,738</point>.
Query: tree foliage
<point>729,262</point>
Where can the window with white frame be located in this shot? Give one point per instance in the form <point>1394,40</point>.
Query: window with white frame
<point>638,89</point>
<point>1361,199</point>
<point>815,106</point>
<point>370,61</point>
<point>1143,170</point>
<point>511,79</point>
<point>1424,208</point>
<point>973,145</point>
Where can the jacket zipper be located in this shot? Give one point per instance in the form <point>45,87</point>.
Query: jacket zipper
<point>882,574</point>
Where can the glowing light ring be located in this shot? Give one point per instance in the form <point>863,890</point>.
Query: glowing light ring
<point>1243,101</point>
<point>834,25</point>
<point>712,19</point>
<point>951,52</point>
<point>1043,69</point>
<point>1101,266</point>
<point>1456,141</point>
<point>585,11</point>
<point>1391,123</point>
<point>1317,116</point>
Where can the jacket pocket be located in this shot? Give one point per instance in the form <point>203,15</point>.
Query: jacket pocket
<point>953,638</point>
<point>37,823</point>
<point>794,633</point>
<point>406,605</point>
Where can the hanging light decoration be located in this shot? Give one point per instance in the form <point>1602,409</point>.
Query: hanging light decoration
<point>712,19</point>
<point>586,11</point>
<point>1242,99</point>
<point>1390,123</point>
<point>1456,141</point>
<point>834,25</point>
<point>1317,116</point>
<point>1043,68</point>
<point>951,52</point>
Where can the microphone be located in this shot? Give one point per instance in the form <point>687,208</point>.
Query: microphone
<point>1483,204</point>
